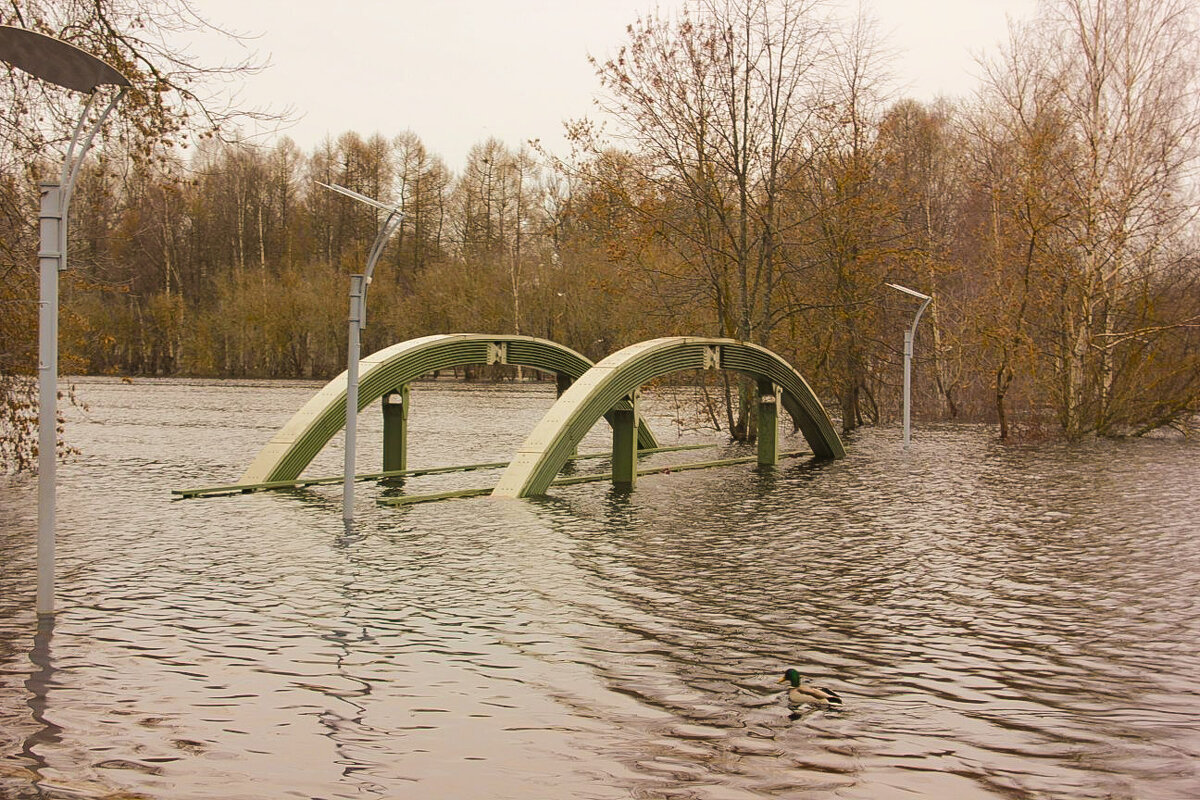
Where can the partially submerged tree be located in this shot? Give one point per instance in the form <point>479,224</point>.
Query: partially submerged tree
<point>1102,96</point>
<point>845,235</point>
<point>716,104</point>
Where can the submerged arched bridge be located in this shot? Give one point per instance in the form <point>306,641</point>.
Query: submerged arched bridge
<point>611,388</point>
<point>386,374</point>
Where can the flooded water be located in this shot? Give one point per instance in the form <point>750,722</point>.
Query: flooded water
<point>1002,622</point>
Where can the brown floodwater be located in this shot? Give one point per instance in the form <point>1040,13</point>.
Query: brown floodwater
<point>1001,621</point>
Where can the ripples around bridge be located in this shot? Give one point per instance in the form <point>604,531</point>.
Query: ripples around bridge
<point>1003,622</point>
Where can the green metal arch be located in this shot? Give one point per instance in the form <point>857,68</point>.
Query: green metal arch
<point>620,374</point>
<point>311,428</point>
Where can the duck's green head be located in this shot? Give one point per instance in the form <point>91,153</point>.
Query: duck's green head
<point>792,676</point>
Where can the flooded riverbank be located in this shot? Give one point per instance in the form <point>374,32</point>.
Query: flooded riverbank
<point>1001,621</point>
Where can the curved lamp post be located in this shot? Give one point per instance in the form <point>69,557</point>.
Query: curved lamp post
<point>358,321</point>
<point>57,62</point>
<point>908,350</point>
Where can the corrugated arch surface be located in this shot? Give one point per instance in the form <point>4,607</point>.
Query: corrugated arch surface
<point>620,374</point>
<point>310,429</point>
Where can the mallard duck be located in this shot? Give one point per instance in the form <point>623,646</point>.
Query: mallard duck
<point>803,694</point>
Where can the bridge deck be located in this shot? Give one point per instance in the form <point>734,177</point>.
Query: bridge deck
<point>299,483</point>
<point>574,479</point>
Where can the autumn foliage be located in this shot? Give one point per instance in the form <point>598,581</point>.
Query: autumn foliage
<point>754,179</point>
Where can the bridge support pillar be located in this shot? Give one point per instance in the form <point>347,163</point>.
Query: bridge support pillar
<point>625,439</point>
<point>562,382</point>
<point>768,423</point>
<point>395,429</point>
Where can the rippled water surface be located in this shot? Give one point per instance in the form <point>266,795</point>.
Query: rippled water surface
<point>1003,622</point>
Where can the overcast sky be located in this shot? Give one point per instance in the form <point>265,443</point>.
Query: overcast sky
<point>458,71</point>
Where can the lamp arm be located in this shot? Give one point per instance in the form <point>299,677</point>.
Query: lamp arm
<point>917,318</point>
<point>390,224</point>
<point>78,151</point>
<point>386,230</point>
<point>69,158</point>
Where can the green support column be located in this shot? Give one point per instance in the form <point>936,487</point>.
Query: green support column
<point>625,450</point>
<point>768,423</point>
<point>562,382</point>
<point>395,429</point>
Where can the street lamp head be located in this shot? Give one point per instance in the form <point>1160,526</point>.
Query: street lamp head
<point>912,292</point>
<point>362,198</point>
<point>56,61</point>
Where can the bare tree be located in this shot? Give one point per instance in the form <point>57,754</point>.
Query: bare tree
<point>716,104</point>
<point>845,223</point>
<point>1119,79</point>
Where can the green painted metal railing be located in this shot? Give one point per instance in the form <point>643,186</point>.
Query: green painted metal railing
<point>619,375</point>
<point>571,480</point>
<point>296,444</point>
<point>301,483</point>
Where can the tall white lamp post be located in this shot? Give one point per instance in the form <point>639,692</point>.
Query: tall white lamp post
<point>57,62</point>
<point>909,335</point>
<point>358,321</point>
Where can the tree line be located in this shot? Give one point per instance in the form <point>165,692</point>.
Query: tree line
<point>756,181</point>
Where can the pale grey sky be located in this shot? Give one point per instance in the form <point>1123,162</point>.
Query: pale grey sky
<point>458,71</point>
